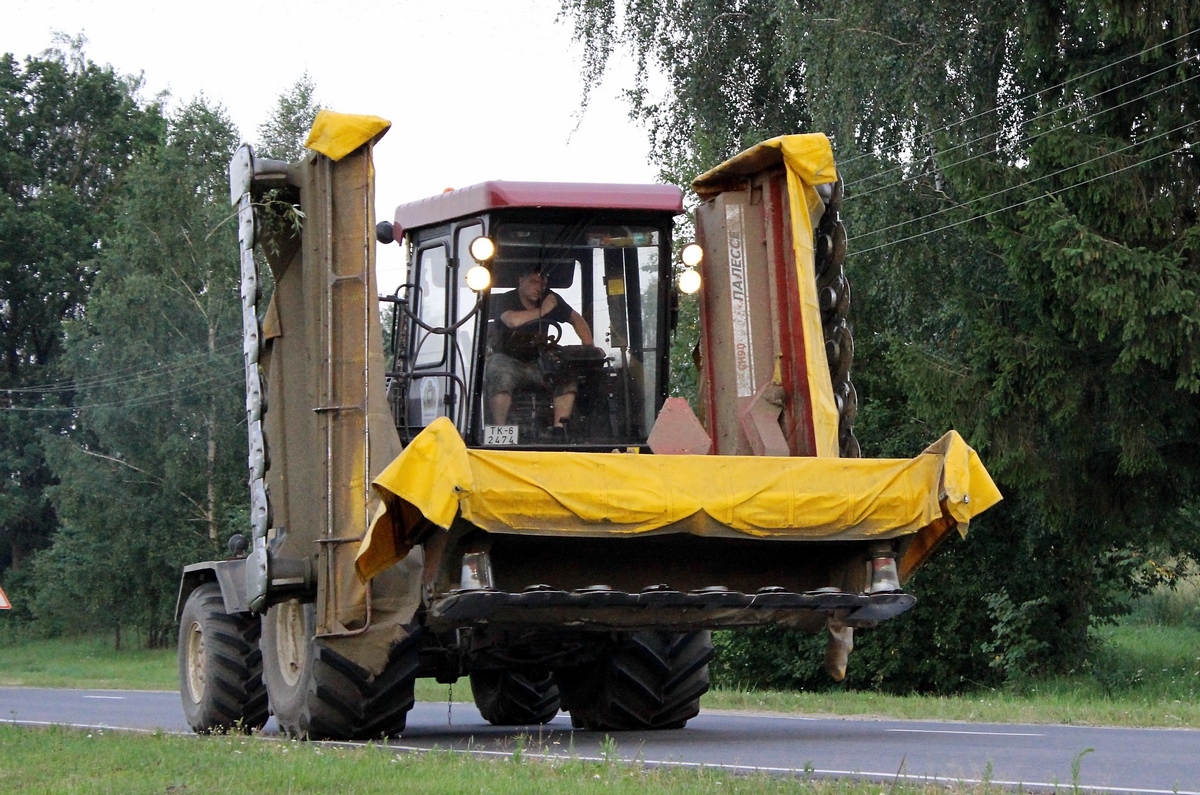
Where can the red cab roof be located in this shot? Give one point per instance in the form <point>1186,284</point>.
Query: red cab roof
<point>495,194</point>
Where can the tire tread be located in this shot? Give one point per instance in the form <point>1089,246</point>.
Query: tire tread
<point>515,697</point>
<point>235,696</point>
<point>648,680</point>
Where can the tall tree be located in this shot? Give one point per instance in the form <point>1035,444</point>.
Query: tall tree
<point>731,83</point>
<point>151,477</point>
<point>68,132</point>
<point>1022,198</point>
<point>282,135</point>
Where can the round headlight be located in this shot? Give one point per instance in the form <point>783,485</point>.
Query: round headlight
<point>692,255</point>
<point>479,277</point>
<point>482,249</point>
<point>689,281</point>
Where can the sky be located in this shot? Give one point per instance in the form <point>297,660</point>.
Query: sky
<point>475,89</point>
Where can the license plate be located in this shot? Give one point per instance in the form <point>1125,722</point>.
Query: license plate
<point>500,434</point>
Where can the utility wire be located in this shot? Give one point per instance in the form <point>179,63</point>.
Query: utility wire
<point>959,206</point>
<point>226,378</point>
<point>129,374</point>
<point>1024,140</point>
<point>1048,113</point>
<point>1063,84</point>
<point>134,372</point>
<point>1184,148</point>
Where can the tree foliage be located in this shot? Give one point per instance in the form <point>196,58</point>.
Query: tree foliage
<point>282,135</point>
<point>69,130</point>
<point>151,474</point>
<point>731,84</point>
<point>1022,200</point>
<point>123,375</point>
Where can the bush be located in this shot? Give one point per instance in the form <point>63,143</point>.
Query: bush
<point>984,616</point>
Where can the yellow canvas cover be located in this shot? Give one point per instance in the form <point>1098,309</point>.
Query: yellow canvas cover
<point>336,135</point>
<point>602,494</point>
<point>808,160</point>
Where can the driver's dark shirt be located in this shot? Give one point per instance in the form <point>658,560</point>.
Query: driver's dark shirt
<point>522,342</point>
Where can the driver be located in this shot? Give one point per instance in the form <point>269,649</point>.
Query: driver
<point>522,321</point>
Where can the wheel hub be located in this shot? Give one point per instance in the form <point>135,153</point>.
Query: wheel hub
<point>195,662</point>
<point>291,641</point>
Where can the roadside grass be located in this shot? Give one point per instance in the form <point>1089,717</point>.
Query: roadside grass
<point>1139,674</point>
<point>57,760</point>
<point>91,663</point>
<point>88,662</point>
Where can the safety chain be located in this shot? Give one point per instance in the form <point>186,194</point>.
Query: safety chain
<point>833,291</point>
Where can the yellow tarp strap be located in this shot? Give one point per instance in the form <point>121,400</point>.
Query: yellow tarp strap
<point>336,135</point>
<point>600,494</point>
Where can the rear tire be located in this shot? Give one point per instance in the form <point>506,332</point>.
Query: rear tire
<point>220,666</point>
<point>318,694</point>
<point>515,698</point>
<point>648,680</point>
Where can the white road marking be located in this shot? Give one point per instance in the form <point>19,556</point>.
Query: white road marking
<point>735,768</point>
<point>952,731</point>
<point>799,771</point>
<point>109,698</point>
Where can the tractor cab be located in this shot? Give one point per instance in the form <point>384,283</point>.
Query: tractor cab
<point>534,315</point>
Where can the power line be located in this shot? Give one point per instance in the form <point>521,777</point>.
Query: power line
<point>1026,139</point>
<point>1048,113</point>
<point>128,374</point>
<point>1063,84</point>
<point>1026,183</point>
<point>140,400</point>
<point>1184,148</point>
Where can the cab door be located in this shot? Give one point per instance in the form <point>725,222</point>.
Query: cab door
<point>443,330</point>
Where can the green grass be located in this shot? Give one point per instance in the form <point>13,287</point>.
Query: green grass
<point>91,663</point>
<point>86,662</point>
<point>59,760</point>
<point>1171,607</point>
<point>1139,675</point>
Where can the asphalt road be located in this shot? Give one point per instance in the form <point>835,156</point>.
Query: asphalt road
<point>1120,760</point>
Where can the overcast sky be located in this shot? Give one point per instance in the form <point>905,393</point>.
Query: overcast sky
<point>475,89</point>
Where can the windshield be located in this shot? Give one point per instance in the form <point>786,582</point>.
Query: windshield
<point>573,350</point>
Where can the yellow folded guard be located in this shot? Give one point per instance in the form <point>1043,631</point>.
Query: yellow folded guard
<point>808,159</point>
<point>336,135</point>
<point>603,494</point>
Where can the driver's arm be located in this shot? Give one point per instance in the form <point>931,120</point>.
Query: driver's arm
<point>581,328</point>
<point>519,317</point>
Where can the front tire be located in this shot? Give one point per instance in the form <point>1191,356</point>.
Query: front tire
<point>220,665</point>
<point>647,680</point>
<point>515,697</point>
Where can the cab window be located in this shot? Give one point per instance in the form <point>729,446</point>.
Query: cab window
<point>432,263</point>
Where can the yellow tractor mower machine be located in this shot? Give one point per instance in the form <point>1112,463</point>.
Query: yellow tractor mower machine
<point>504,491</point>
